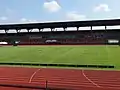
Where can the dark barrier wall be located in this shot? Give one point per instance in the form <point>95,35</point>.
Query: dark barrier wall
<point>60,65</point>
<point>29,86</point>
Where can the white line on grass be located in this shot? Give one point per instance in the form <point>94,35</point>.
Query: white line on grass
<point>107,50</point>
<point>63,55</point>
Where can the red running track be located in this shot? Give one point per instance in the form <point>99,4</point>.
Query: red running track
<point>66,79</point>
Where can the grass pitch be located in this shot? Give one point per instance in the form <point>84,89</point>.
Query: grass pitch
<point>100,55</point>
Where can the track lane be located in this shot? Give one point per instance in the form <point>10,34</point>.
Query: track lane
<point>69,78</point>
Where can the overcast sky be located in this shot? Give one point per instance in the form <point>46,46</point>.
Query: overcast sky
<point>20,11</point>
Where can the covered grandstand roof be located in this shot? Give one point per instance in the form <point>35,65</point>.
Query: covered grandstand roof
<point>61,24</point>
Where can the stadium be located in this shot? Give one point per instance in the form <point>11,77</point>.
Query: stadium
<point>60,59</point>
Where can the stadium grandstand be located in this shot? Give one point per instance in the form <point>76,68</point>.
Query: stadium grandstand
<point>50,33</point>
<point>72,45</point>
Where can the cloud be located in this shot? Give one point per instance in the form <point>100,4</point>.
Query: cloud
<point>101,8</point>
<point>24,20</point>
<point>107,18</point>
<point>32,20</point>
<point>75,16</point>
<point>3,18</point>
<point>52,6</point>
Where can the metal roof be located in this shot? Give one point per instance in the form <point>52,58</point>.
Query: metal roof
<point>62,24</point>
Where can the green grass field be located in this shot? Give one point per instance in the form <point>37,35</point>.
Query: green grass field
<point>100,55</point>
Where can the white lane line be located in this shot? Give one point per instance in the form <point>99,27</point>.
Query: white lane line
<point>90,79</point>
<point>32,76</point>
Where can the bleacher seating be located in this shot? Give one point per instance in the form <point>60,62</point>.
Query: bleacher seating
<point>81,37</point>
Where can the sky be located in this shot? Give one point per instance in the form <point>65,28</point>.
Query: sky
<point>24,11</point>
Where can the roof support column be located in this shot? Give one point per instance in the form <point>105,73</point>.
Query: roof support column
<point>105,28</point>
<point>91,28</point>
<point>39,29</point>
<point>18,30</point>
<point>77,28</point>
<point>51,29</point>
<point>64,28</point>
<point>28,30</point>
<point>6,31</point>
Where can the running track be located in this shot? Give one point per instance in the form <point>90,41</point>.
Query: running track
<point>66,79</point>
